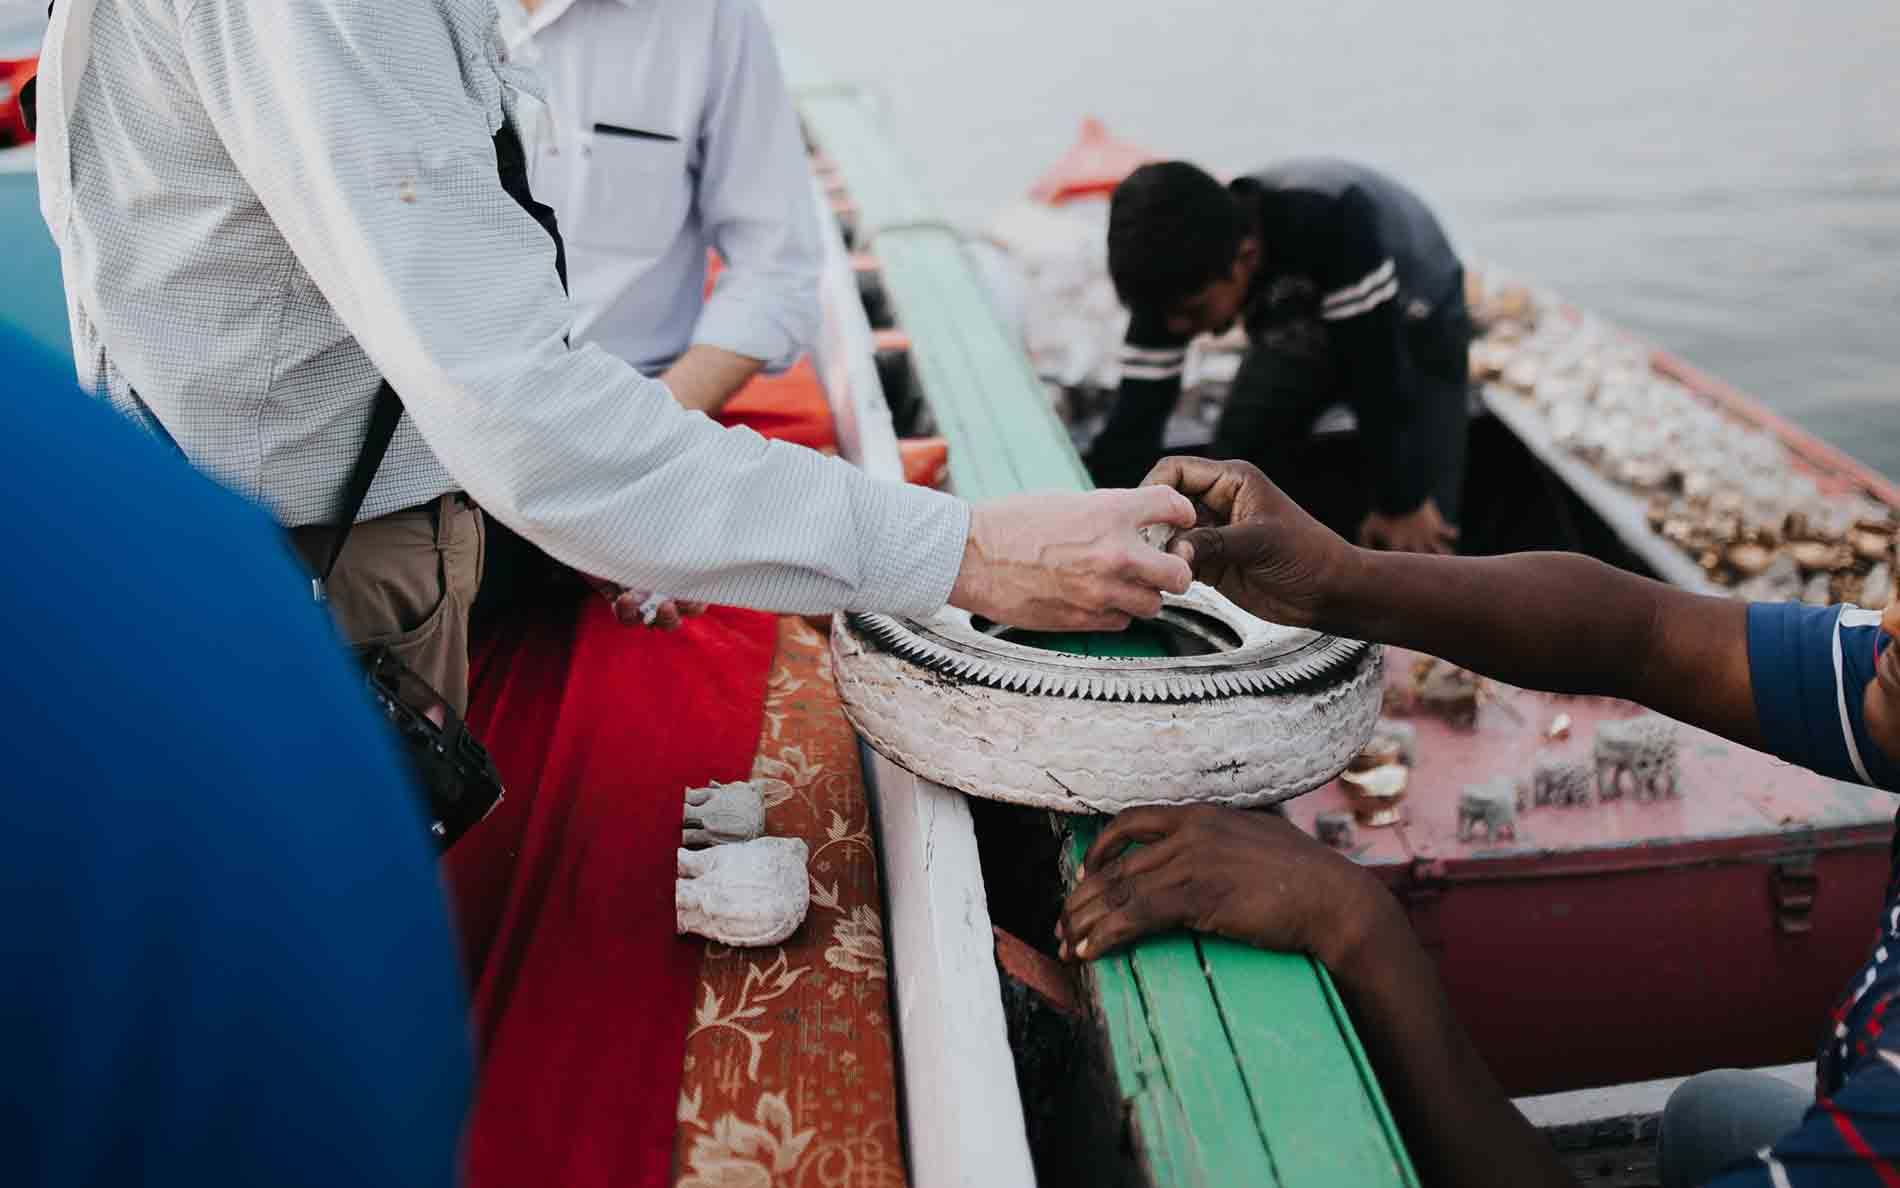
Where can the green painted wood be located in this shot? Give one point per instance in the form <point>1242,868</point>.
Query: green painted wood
<point>1192,1039</point>
<point>1324,1114</point>
<point>1235,1066</point>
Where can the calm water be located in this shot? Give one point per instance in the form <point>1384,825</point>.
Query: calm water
<point>1722,178</point>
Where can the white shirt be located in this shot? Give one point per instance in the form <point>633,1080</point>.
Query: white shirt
<point>263,205</point>
<point>668,131</point>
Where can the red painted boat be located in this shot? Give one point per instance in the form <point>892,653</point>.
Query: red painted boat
<point>1621,940</point>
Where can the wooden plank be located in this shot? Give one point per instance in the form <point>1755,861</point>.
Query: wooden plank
<point>963,1113</point>
<point>1298,1091</point>
<point>845,358</point>
<point>1192,1039</point>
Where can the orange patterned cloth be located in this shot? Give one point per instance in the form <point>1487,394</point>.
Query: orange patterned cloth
<point>790,1078</point>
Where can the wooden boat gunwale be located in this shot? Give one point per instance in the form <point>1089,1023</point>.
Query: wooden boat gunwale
<point>1204,1089</point>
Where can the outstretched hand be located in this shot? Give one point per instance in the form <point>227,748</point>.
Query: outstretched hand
<point>1072,562</point>
<point>1253,543</point>
<point>1247,876</point>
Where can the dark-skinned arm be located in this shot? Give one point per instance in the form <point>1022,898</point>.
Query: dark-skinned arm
<point>1552,621</point>
<point>1255,878</point>
<point>1548,621</point>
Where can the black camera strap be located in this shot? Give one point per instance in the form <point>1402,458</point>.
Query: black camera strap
<point>382,430</point>
<point>511,164</point>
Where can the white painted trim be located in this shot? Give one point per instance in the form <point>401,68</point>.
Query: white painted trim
<point>963,1112</point>
<point>844,358</point>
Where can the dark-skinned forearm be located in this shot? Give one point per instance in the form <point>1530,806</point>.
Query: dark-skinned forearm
<point>1458,1125</point>
<point>1558,622</point>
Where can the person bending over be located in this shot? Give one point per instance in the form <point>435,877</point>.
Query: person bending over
<point>1817,686</point>
<point>1349,292</point>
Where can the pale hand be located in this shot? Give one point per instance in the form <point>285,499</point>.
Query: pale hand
<point>1071,562</point>
<point>627,603</point>
<point>1422,530</point>
<point>1253,543</point>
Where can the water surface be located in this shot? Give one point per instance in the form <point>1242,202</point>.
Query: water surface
<point>1722,178</point>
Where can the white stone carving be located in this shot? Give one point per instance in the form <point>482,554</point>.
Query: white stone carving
<point>720,814</point>
<point>747,894</point>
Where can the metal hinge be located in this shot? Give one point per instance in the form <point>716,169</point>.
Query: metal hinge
<point>1792,883</point>
<point>1421,893</point>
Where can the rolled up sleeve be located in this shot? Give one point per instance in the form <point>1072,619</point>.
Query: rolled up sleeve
<point>755,201</point>
<point>348,120</point>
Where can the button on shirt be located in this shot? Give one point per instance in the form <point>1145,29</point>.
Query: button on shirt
<point>263,206</point>
<point>1810,667</point>
<point>668,130</point>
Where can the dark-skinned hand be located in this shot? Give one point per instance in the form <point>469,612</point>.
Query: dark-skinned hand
<point>1253,543</point>
<point>1421,530</point>
<point>1248,876</point>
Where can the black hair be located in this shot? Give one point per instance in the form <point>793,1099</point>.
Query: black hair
<point>1172,231</point>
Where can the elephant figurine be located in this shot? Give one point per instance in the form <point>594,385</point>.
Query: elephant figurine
<point>1493,805</point>
<point>1564,782</point>
<point>1643,748</point>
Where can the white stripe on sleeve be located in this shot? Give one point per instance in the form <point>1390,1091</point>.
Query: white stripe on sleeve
<point>1141,371</point>
<point>1777,1174</point>
<point>1364,285</point>
<point>1371,301</point>
<point>1840,697</point>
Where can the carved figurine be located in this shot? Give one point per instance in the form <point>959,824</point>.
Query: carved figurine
<point>1645,749</point>
<point>1564,782</point>
<point>1492,805</point>
<point>1335,829</point>
<point>747,894</point>
<point>719,814</point>
<point>1448,691</point>
<point>1400,735</point>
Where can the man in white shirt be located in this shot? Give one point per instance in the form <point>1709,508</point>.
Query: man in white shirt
<point>265,208</point>
<point>669,131</point>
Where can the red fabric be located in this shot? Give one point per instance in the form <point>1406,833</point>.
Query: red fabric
<point>791,407</point>
<point>1094,165</point>
<point>582,992</point>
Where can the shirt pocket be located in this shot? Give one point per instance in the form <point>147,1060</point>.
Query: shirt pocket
<point>635,194</point>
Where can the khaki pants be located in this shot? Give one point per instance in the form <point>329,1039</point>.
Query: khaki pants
<point>406,580</point>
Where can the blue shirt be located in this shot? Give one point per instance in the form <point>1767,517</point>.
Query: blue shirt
<point>226,958</point>
<point>1810,667</point>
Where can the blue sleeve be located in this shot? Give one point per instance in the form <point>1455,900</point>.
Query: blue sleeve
<point>227,955</point>
<point>1810,667</point>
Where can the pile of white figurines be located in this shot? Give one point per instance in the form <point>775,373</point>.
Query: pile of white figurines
<point>737,886</point>
<point>1725,492</point>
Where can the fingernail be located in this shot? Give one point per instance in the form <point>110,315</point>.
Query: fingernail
<point>1064,951</point>
<point>1081,872</point>
<point>1185,550</point>
<point>1082,948</point>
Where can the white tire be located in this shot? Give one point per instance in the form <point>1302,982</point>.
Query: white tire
<point>1271,713</point>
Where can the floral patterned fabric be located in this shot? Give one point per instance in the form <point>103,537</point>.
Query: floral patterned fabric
<point>790,1079</point>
